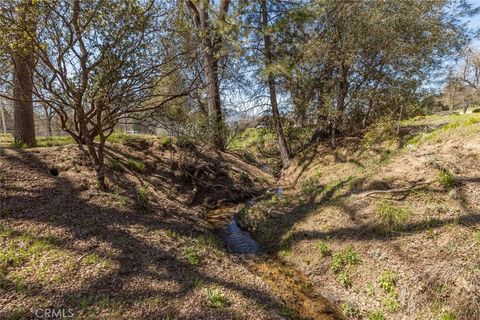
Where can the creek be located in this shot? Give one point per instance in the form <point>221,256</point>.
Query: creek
<point>286,282</point>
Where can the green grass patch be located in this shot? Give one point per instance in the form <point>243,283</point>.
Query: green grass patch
<point>250,138</point>
<point>455,122</point>
<point>287,312</point>
<point>16,250</point>
<point>388,282</point>
<point>142,196</point>
<point>192,256</point>
<point>447,179</point>
<point>376,315</point>
<point>92,259</point>
<point>448,316</point>
<point>350,311</point>
<point>323,248</point>
<point>215,298</point>
<point>345,257</point>
<point>391,216</point>
<point>208,241</point>
<point>311,186</point>
<point>136,165</point>
<point>54,141</point>
<point>114,165</point>
<point>344,279</point>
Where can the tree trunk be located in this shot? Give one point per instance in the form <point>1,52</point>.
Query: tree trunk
<point>210,44</point>
<point>282,143</point>
<point>48,117</point>
<point>342,96</point>
<point>24,125</point>
<point>367,114</point>
<point>216,125</point>
<point>23,65</point>
<point>2,111</point>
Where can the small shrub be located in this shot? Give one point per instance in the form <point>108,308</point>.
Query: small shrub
<point>383,130</point>
<point>172,234</point>
<point>448,316</point>
<point>244,178</point>
<point>215,298</point>
<point>142,196</point>
<point>184,142</point>
<point>375,315</point>
<point>342,258</point>
<point>323,247</point>
<point>344,279</point>
<point>113,165</point>
<point>208,240</point>
<point>349,310</point>
<point>91,259</point>
<point>447,179</point>
<point>287,312</point>
<point>18,145</point>
<point>388,281</point>
<point>136,165</point>
<point>197,282</point>
<point>272,201</point>
<point>20,286</point>
<point>311,186</point>
<point>17,314</point>
<point>351,256</point>
<point>390,303</point>
<point>391,216</point>
<point>192,256</point>
<point>86,301</point>
<point>370,289</point>
<point>167,143</point>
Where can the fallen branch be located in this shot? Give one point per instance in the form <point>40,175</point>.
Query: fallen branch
<point>397,190</point>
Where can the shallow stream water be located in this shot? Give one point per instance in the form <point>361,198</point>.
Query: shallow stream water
<point>286,282</point>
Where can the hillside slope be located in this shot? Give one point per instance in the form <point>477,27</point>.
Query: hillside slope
<point>141,251</point>
<point>387,232</point>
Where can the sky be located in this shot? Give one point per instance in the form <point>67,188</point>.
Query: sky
<point>474,22</point>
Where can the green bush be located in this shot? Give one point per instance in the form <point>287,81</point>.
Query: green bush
<point>311,186</point>
<point>342,258</point>
<point>349,310</point>
<point>113,165</point>
<point>192,256</point>
<point>391,216</point>
<point>375,315</point>
<point>215,298</point>
<point>447,179</point>
<point>344,279</point>
<point>383,130</point>
<point>142,196</point>
<point>323,247</point>
<point>136,165</point>
<point>390,303</point>
<point>388,281</point>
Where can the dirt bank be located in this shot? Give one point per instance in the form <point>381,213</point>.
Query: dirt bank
<point>141,251</point>
<point>386,233</point>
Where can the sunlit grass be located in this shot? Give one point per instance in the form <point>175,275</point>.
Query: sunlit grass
<point>453,123</point>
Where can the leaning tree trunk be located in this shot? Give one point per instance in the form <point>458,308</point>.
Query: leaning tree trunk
<point>282,143</point>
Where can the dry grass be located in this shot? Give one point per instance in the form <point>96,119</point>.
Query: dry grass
<point>427,236</point>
